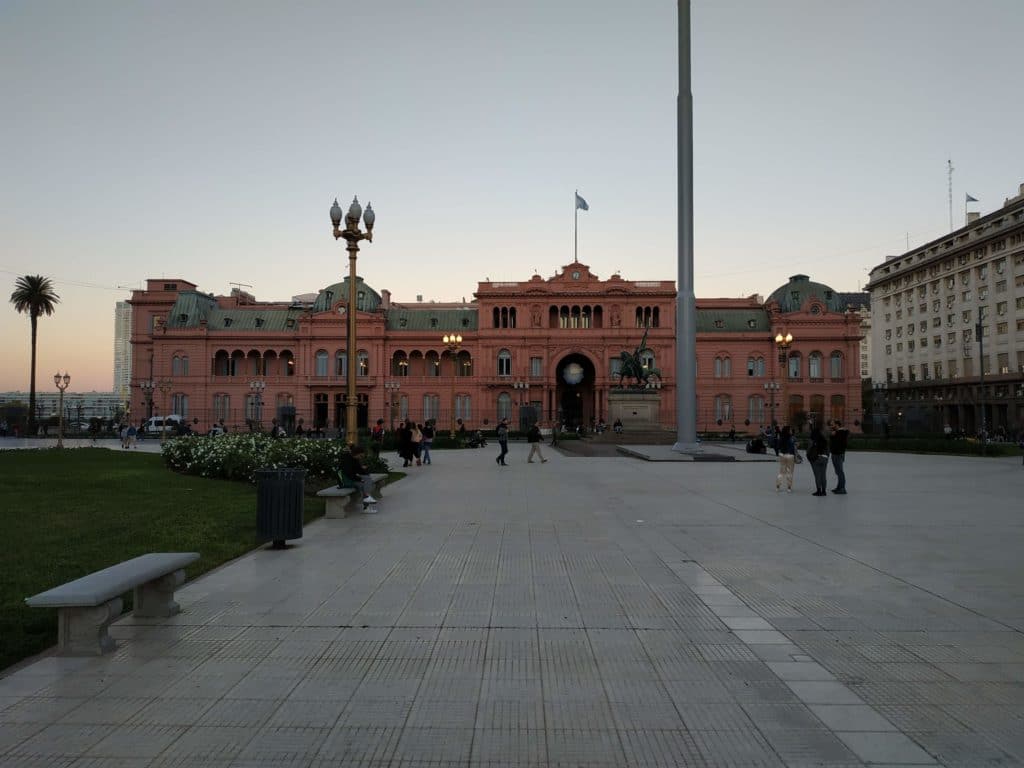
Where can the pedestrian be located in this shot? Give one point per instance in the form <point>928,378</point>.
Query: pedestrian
<point>554,434</point>
<point>300,430</point>
<point>377,437</point>
<point>787,460</point>
<point>533,438</point>
<point>124,437</point>
<point>405,443</point>
<point>502,442</point>
<point>428,440</point>
<point>837,446</point>
<point>417,443</point>
<point>817,454</point>
<point>130,437</point>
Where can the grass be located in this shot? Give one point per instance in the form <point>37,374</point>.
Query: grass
<point>69,513</point>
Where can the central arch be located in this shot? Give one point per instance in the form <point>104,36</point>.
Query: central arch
<point>575,380</point>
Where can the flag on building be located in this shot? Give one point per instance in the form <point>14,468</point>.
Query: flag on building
<point>969,199</point>
<point>581,203</point>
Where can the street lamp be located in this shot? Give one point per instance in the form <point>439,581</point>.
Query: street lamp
<point>522,397</point>
<point>352,235</point>
<point>146,385</point>
<point>772,388</point>
<point>782,343</point>
<point>391,390</point>
<point>453,341</point>
<point>256,387</point>
<point>61,382</point>
<point>164,385</point>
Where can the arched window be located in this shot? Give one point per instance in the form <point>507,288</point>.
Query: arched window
<point>655,318</point>
<point>512,317</point>
<point>363,358</point>
<point>814,365</point>
<point>755,409</point>
<point>723,408</point>
<point>237,363</point>
<point>504,363</point>
<point>794,366</point>
<point>563,317</point>
<point>399,364</point>
<point>639,317</point>
<point>221,406</point>
<point>464,364</point>
<point>340,363</point>
<point>504,406</point>
<point>321,362</point>
<point>287,363</point>
<point>179,365</point>
<point>755,366</point>
<point>585,318</point>
<point>836,365</point>
<point>431,407</point>
<point>718,367</point>
<point>179,405</point>
<point>221,363</point>
<point>647,359</point>
<point>497,317</point>
<point>433,364</point>
<point>574,319</point>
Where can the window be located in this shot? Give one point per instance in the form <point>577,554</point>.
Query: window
<point>755,366</point>
<point>937,370</point>
<point>723,408</point>
<point>888,349</point>
<point>888,334</point>
<point>814,365</point>
<point>936,341</point>
<point>647,361</point>
<point>910,346</point>
<point>340,364</point>
<point>794,366</point>
<point>966,316</point>
<point>923,326</point>
<point>504,363</point>
<point>615,367</point>
<point>1001,308</point>
<point>504,406</point>
<point>951,338</point>
<point>536,366</point>
<point>836,365</point>
<point>179,365</point>
<point>936,306</point>
<point>431,407</point>
<point>965,296</point>
<point>936,322</point>
<point>221,407</point>
<point>179,405</point>
<point>755,409</point>
<point>321,362</point>
<point>363,360</point>
<point>968,335</point>
<point>1001,286</point>
<point>723,367</point>
<point>1001,329</point>
<point>462,409</point>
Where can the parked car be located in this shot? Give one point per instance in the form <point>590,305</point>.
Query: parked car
<point>169,424</point>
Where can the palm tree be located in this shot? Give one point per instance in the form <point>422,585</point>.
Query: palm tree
<point>34,295</point>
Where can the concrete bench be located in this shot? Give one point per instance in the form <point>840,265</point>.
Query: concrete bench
<point>342,499</point>
<point>87,606</point>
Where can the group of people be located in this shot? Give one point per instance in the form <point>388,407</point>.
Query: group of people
<point>819,450</point>
<point>533,437</point>
<point>414,441</point>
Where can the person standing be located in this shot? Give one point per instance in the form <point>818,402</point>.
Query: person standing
<point>405,443</point>
<point>533,438</point>
<point>817,454</point>
<point>554,433</point>
<point>428,440</point>
<point>837,445</point>
<point>787,460</point>
<point>417,443</point>
<point>377,437</point>
<point>503,442</point>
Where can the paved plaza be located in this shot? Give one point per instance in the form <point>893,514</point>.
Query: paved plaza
<point>583,612</point>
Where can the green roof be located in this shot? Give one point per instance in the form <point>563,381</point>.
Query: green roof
<point>792,296</point>
<point>732,321</point>
<point>339,292</point>
<point>428,319</point>
<point>192,307</point>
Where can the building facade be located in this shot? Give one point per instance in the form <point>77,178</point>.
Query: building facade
<point>948,328</point>
<point>122,349</point>
<point>541,349</point>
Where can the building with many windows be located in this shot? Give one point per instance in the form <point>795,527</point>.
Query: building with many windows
<point>543,348</point>
<point>122,349</point>
<point>948,328</point>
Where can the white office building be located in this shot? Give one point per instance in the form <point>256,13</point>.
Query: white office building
<point>122,349</point>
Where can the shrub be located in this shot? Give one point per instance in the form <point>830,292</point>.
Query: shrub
<point>237,457</point>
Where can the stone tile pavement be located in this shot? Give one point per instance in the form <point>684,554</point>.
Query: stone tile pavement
<point>582,612</point>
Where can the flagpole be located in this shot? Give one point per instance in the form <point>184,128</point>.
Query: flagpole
<point>575,227</point>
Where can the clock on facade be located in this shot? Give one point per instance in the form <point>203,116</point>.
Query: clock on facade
<point>573,373</point>
<point>575,275</point>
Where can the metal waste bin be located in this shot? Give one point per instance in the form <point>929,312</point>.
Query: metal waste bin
<point>279,504</point>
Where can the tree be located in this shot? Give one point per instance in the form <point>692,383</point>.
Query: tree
<point>34,295</point>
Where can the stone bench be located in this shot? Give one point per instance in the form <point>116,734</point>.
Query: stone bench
<point>342,499</point>
<point>87,606</point>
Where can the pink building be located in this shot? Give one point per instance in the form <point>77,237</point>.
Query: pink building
<point>543,348</point>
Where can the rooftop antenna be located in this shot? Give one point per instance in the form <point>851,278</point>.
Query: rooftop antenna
<point>949,173</point>
<point>240,285</point>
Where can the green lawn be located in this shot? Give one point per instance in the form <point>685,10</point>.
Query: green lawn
<point>68,513</point>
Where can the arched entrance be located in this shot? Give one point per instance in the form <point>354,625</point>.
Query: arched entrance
<point>574,391</point>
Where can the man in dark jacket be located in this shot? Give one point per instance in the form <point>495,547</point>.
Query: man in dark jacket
<point>502,441</point>
<point>533,438</point>
<point>837,447</point>
<point>817,455</point>
<point>353,466</point>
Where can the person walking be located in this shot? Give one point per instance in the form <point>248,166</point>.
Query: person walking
<point>417,443</point>
<point>817,454</point>
<point>428,440</point>
<point>837,445</point>
<point>787,460</point>
<point>554,434</point>
<point>533,438</point>
<point>503,442</point>
<point>405,443</point>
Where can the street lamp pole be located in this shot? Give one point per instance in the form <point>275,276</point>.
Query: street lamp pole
<point>782,343</point>
<point>391,389</point>
<point>61,382</point>
<point>164,385</point>
<point>453,341</point>
<point>146,385</point>
<point>772,388</point>
<point>256,386</point>
<point>979,331</point>
<point>522,397</point>
<point>352,235</point>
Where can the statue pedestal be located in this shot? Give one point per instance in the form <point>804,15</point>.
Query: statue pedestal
<point>636,409</point>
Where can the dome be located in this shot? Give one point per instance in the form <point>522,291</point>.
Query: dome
<point>339,292</point>
<point>794,294</point>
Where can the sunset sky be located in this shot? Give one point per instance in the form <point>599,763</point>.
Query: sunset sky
<point>207,140</point>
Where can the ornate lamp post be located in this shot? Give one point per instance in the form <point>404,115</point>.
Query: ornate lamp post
<point>352,235</point>
<point>256,387</point>
<point>146,385</point>
<point>522,397</point>
<point>782,343</point>
<point>454,342</point>
<point>61,382</point>
<point>164,385</point>
<point>391,389</point>
<point>772,389</point>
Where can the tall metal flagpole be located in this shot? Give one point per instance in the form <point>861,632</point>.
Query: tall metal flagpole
<point>575,226</point>
<point>686,312</point>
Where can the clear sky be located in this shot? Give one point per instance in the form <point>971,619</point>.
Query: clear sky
<point>206,140</point>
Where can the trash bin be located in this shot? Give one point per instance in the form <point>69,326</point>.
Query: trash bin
<point>279,504</point>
